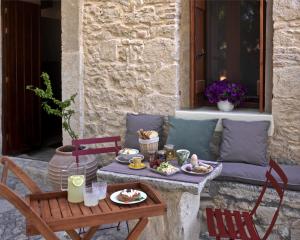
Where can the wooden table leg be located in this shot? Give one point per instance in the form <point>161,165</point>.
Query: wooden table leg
<point>90,233</point>
<point>137,230</point>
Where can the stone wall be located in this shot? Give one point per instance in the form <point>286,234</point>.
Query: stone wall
<point>184,51</point>
<point>131,61</point>
<point>136,59</point>
<point>237,196</point>
<point>72,63</point>
<point>286,80</point>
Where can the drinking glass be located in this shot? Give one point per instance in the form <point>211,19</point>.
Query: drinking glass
<point>90,197</point>
<point>170,152</point>
<point>100,189</point>
<point>182,156</point>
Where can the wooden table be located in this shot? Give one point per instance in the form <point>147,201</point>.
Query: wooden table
<point>61,215</point>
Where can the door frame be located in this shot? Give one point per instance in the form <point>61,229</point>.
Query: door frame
<point>72,63</point>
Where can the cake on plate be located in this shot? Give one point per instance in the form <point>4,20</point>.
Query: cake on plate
<point>128,195</point>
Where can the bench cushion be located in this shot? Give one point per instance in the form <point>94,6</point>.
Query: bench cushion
<point>135,122</point>
<point>245,142</point>
<point>254,174</point>
<point>194,135</point>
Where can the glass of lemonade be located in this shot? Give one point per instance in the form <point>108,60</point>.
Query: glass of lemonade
<point>90,197</point>
<point>100,187</point>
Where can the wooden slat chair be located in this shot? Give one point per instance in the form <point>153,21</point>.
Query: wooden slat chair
<point>240,225</point>
<point>19,202</point>
<point>98,150</point>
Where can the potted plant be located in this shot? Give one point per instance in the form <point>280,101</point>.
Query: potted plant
<point>63,156</point>
<point>53,106</point>
<point>226,94</point>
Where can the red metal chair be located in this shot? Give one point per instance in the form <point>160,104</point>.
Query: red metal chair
<point>240,225</point>
<point>79,152</point>
<point>98,150</point>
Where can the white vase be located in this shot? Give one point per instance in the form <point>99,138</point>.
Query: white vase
<point>225,106</point>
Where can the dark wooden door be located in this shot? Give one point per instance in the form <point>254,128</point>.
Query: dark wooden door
<point>21,67</point>
<point>197,52</point>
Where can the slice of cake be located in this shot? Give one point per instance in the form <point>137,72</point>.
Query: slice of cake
<point>128,195</point>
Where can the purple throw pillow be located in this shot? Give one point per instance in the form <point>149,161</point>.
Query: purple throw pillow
<point>135,122</point>
<point>245,142</point>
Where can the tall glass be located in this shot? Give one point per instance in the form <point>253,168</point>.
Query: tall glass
<point>100,188</point>
<point>90,197</point>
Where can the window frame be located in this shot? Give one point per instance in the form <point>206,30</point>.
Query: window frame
<point>194,102</point>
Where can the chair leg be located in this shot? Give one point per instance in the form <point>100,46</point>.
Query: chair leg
<point>118,227</point>
<point>127,227</point>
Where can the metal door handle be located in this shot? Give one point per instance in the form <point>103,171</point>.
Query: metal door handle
<point>201,54</point>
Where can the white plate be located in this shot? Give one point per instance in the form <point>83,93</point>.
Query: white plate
<point>113,197</point>
<point>183,168</point>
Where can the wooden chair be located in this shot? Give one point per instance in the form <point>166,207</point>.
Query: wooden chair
<point>78,142</point>
<point>19,202</point>
<point>235,224</point>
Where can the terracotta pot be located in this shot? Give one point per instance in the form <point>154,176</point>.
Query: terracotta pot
<point>62,160</point>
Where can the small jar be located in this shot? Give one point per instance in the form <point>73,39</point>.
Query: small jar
<point>152,155</point>
<point>153,162</point>
<point>170,152</point>
<point>161,155</point>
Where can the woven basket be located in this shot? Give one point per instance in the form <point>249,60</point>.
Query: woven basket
<point>148,145</point>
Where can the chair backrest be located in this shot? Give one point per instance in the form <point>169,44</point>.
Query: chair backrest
<point>9,165</point>
<point>279,186</point>
<point>98,150</point>
<point>19,202</point>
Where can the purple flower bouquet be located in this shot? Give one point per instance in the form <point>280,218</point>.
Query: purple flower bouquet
<point>225,90</point>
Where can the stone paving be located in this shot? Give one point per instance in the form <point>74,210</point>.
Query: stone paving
<point>12,223</point>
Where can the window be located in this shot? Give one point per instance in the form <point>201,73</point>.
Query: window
<point>227,41</point>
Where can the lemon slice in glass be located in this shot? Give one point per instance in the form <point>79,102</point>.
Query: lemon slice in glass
<point>78,180</point>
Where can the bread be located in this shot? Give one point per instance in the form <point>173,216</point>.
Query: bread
<point>201,169</point>
<point>147,134</point>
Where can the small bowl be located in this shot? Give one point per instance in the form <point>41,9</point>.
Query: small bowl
<point>128,153</point>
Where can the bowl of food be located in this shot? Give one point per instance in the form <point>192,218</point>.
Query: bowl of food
<point>128,153</point>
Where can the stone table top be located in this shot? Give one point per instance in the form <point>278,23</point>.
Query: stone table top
<point>167,185</point>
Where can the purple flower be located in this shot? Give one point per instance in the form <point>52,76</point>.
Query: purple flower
<point>225,90</point>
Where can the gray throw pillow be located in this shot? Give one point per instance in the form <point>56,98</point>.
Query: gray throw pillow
<point>134,122</point>
<point>244,142</point>
<point>194,135</point>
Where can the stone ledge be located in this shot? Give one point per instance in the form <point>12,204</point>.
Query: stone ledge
<point>207,113</point>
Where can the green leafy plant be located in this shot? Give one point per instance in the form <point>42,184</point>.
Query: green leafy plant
<point>54,106</point>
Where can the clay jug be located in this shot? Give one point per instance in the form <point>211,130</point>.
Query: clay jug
<point>62,159</point>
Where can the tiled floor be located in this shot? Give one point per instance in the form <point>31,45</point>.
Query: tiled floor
<point>12,223</point>
<point>42,154</point>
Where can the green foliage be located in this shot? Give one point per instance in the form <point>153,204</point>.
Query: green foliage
<point>53,106</point>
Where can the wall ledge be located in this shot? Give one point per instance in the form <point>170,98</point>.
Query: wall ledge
<point>239,115</point>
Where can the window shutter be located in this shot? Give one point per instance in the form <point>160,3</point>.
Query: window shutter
<point>197,52</point>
